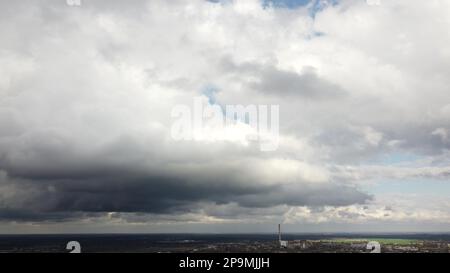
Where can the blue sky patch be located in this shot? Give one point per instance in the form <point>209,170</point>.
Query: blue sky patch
<point>210,92</point>
<point>291,4</point>
<point>315,6</point>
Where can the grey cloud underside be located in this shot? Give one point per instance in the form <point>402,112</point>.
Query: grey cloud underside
<point>29,215</point>
<point>55,198</point>
<point>348,146</point>
<point>127,176</point>
<point>270,80</point>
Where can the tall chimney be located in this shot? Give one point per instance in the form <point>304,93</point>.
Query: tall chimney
<point>279,232</point>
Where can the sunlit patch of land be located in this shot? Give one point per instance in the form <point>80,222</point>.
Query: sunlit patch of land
<point>390,241</point>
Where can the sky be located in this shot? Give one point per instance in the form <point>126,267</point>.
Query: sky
<point>87,92</point>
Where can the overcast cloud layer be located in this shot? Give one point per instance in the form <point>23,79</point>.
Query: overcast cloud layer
<point>86,94</point>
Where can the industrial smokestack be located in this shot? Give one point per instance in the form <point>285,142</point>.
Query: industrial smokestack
<point>283,244</point>
<point>279,232</point>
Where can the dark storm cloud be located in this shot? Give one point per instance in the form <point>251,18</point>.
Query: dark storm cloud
<point>53,174</point>
<point>53,198</point>
<point>29,215</point>
<point>331,195</point>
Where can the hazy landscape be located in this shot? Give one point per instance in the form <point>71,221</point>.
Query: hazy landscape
<point>224,243</point>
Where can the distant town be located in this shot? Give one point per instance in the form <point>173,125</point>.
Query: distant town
<point>227,243</point>
<point>321,246</point>
<point>328,245</point>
